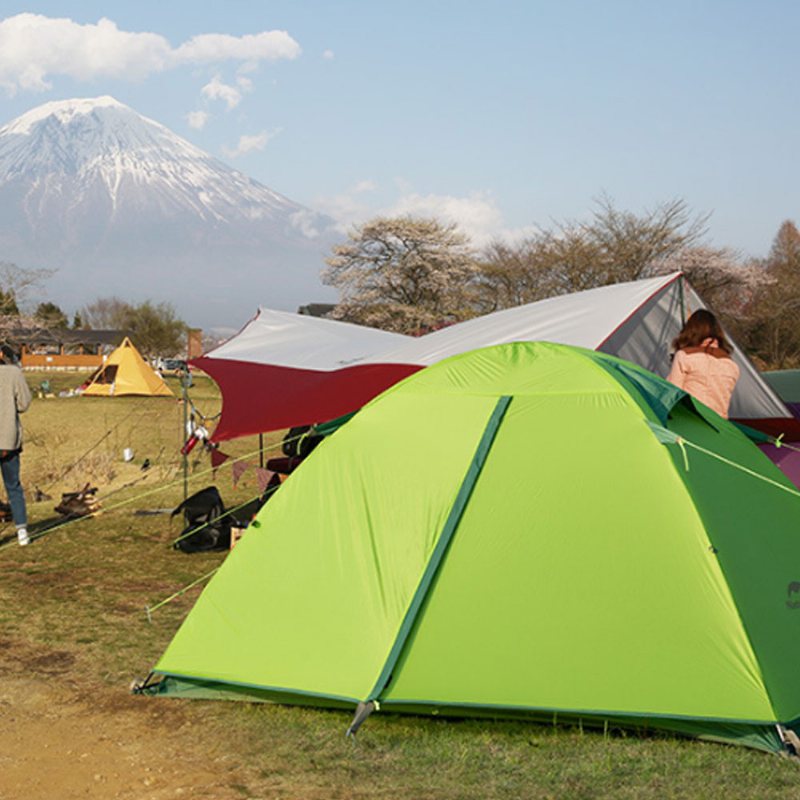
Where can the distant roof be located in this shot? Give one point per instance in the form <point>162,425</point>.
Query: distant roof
<point>93,337</point>
<point>316,309</point>
<point>63,336</point>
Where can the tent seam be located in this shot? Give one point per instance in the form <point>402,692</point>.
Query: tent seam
<point>444,540</point>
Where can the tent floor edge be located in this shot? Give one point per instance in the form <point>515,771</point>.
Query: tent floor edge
<point>188,688</point>
<point>768,737</point>
<point>755,735</point>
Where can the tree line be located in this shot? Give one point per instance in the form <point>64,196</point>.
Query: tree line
<point>413,274</point>
<point>416,274</point>
<point>154,327</point>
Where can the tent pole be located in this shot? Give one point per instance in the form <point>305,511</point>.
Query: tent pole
<point>437,556</point>
<point>261,450</point>
<point>185,390</point>
<point>682,301</point>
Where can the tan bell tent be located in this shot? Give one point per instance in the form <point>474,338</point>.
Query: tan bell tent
<point>126,372</point>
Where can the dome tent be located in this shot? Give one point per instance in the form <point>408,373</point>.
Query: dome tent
<point>125,372</point>
<point>529,529</point>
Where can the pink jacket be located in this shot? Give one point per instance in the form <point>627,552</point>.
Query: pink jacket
<point>707,373</point>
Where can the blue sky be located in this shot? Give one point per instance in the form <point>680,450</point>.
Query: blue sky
<point>500,115</point>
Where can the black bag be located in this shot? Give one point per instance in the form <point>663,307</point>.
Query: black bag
<point>299,442</point>
<point>202,513</point>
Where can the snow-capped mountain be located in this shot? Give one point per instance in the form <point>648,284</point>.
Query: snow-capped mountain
<point>119,204</point>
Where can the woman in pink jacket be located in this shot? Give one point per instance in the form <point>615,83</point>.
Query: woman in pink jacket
<point>702,364</point>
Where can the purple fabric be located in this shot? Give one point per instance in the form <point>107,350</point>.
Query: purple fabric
<point>794,408</point>
<point>788,461</point>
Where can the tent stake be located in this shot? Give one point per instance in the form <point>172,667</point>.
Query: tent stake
<point>363,710</point>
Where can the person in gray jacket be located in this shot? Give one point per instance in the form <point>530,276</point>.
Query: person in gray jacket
<point>15,397</point>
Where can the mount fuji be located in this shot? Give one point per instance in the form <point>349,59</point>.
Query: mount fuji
<point>119,205</point>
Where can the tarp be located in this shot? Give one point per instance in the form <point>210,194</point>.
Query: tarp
<point>457,548</point>
<point>284,369</point>
<point>635,320</point>
<point>125,372</point>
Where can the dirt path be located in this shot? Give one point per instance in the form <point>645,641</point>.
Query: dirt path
<point>56,745</point>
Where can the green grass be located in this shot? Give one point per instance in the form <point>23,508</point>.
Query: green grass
<point>84,587</point>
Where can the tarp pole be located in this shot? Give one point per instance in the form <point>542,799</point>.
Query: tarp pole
<point>682,296</point>
<point>185,390</point>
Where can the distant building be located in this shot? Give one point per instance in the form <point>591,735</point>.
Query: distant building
<point>52,348</point>
<point>316,309</point>
<point>194,343</point>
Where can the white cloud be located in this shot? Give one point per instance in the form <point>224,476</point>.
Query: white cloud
<point>305,222</point>
<point>211,47</point>
<point>215,89</point>
<point>247,144</point>
<point>35,48</point>
<point>197,119</point>
<point>348,208</point>
<point>246,67</point>
<point>329,55</point>
<point>476,214</point>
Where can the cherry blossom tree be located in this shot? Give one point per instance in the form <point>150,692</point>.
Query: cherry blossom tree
<point>403,274</point>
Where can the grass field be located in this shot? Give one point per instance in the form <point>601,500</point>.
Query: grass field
<point>73,623</point>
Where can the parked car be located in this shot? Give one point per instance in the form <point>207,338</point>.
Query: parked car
<point>171,366</point>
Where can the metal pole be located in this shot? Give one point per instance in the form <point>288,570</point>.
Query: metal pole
<point>682,301</point>
<point>185,388</point>
<point>261,450</point>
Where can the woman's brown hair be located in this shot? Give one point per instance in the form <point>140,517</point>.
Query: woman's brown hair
<point>700,326</point>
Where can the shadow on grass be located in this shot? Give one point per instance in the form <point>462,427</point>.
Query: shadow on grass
<point>36,530</point>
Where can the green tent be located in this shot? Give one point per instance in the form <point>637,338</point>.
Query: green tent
<point>529,529</point>
<point>786,382</point>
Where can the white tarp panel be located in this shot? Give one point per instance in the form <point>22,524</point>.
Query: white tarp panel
<point>283,339</point>
<point>636,321</point>
<point>645,339</point>
<point>585,319</point>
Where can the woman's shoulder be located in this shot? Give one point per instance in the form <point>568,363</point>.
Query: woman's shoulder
<point>711,351</point>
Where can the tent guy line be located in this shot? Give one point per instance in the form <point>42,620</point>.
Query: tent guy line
<point>155,490</point>
<point>230,461</point>
<point>148,609</point>
<point>668,437</point>
<point>665,436</point>
<point>192,531</point>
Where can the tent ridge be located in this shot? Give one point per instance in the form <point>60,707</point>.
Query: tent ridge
<point>673,278</point>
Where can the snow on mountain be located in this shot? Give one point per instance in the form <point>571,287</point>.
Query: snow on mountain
<point>119,204</point>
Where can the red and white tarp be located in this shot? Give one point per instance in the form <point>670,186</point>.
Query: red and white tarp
<point>286,369</point>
